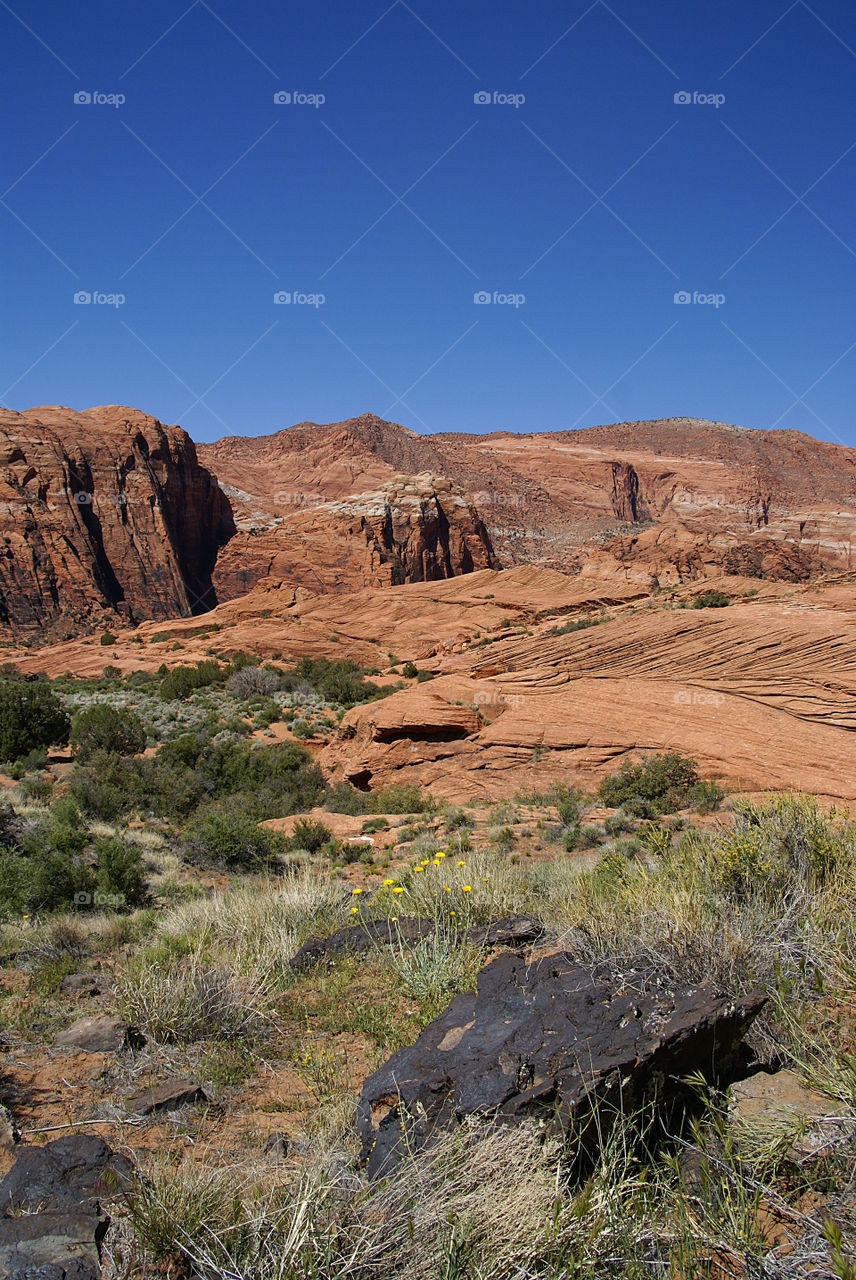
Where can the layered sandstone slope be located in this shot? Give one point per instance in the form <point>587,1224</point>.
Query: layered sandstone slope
<point>659,502</point>
<point>762,693</point>
<point>106,510</point>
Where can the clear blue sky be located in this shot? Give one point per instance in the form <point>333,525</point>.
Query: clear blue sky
<point>597,198</point>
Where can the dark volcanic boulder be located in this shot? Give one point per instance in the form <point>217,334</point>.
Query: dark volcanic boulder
<point>359,939</point>
<point>548,1039</point>
<point>64,1175</point>
<point>51,1223</point>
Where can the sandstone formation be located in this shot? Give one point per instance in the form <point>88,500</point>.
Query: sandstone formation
<point>105,514</point>
<point>659,503</point>
<point>761,693</point>
<point>408,529</point>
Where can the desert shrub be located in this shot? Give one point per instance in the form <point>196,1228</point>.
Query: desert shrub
<point>401,797</point>
<point>31,716</point>
<point>188,998</point>
<point>409,670</point>
<point>652,786</point>
<point>107,638</point>
<point>42,868</point>
<point>108,785</point>
<point>578,624</point>
<point>180,682</point>
<point>711,600</point>
<point>775,845</point>
<point>335,682</point>
<point>120,874</point>
<point>309,835</point>
<point>268,713</point>
<point>568,801</point>
<point>234,838</point>
<point>301,729</point>
<point>247,681</point>
<point>36,787</point>
<point>422,676</point>
<point>706,795</point>
<point>106,728</point>
<point>263,782</point>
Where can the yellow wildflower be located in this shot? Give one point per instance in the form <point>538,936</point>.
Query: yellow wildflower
<point>389,882</point>
<point>356,890</point>
<point>466,888</point>
<point>462,863</point>
<point>398,889</point>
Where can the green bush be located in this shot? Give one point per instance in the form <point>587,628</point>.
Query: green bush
<point>711,600</point>
<point>578,624</point>
<point>234,838</point>
<point>409,670</point>
<point>309,835</point>
<point>301,729</point>
<point>399,798</point>
<point>335,682</point>
<point>265,782</point>
<point>107,637</point>
<point>656,785</point>
<point>43,868</point>
<point>31,716</point>
<point>180,682</point>
<point>106,728</point>
<point>120,879</point>
<point>778,846</point>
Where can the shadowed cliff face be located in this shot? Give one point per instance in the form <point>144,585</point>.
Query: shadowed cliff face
<point>104,512</point>
<point>411,529</point>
